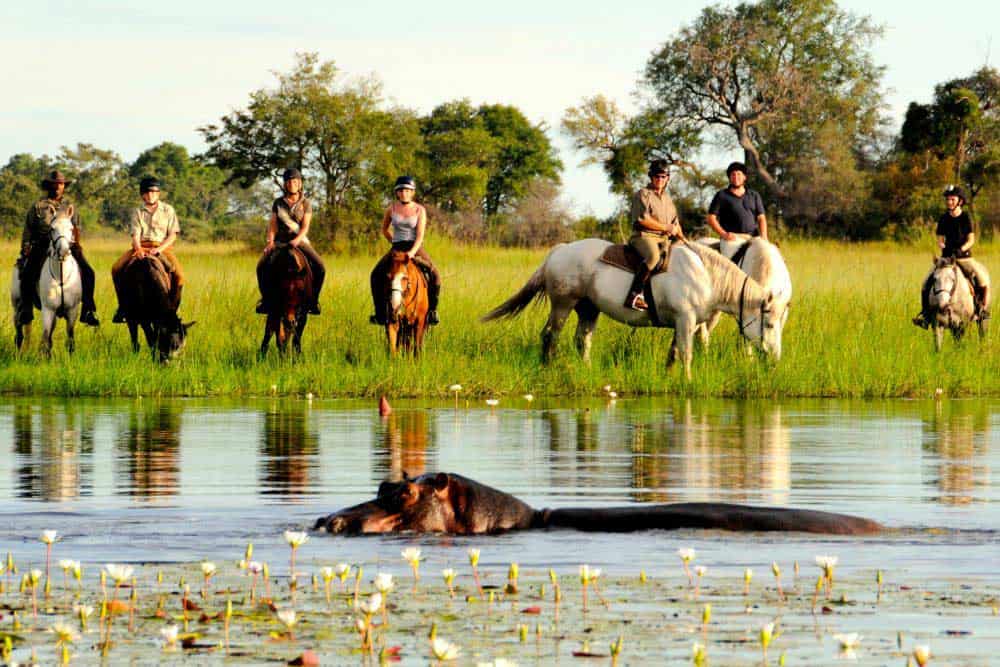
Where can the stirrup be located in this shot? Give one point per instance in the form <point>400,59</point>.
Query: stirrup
<point>432,317</point>
<point>639,303</point>
<point>921,321</point>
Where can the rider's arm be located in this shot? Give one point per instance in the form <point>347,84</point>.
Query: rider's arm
<point>272,231</point>
<point>421,227</point>
<point>136,231</point>
<point>713,222</point>
<point>941,241</point>
<point>970,241</point>
<point>386,222</point>
<point>29,220</point>
<point>303,228</point>
<point>172,230</point>
<point>762,224</point>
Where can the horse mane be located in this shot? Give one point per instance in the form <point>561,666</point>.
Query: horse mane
<point>729,277</point>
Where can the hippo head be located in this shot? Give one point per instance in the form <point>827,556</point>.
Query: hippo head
<point>419,504</point>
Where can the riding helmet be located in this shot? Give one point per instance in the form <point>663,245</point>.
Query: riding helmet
<point>405,183</point>
<point>291,173</point>
<point>736,166</point>
<point>657,167</point>
<point>148,183</point>
<point>955,191</point>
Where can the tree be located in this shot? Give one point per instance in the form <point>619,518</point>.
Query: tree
<point>19,189</point>
<point>347,146</point>
<point>460,154</point>
<point>768,75</point>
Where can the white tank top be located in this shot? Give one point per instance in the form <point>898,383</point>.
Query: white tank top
<point>404,228</point>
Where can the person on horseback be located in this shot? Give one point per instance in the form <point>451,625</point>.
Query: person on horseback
<point>737,209</point>
<point>291,214</point>
<point>35,246</point>
<point>654,226</point>
<point>956,238</point>
<point>404,225</point>
<point>154,229</point>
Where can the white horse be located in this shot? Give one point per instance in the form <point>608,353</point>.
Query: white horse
<point>952,302</point>
<point>60,289</point>
<point>761,261</point>
<point>698,283</point>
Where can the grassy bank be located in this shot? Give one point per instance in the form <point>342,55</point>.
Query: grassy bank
<point>849,334</point>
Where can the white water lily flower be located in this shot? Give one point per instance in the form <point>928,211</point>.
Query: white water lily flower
<point>848,641</point>
<point>35,576</point>
<point>687,554</point>
<point>49,536</point>
<point>119,573</point>
<point>473,556</point>
<point>64,633</point>
<point>326,573</point>
<point>612,394</point>
<point>455,388</point>
<point>529,397</point>
<point>83,610</point>
<point>589,574</point>
<point>448,574</point>
<point>169,634</point>
<point>287,618</point>
<point>766,635</point>
<point>383,582</point>
<point>296,538</point>
<point>411,555</point>
<point>444,649</point>
<point>342,569</point>
<point>492,402</point>
<point>67,564</point>
<point>372,605</point>
<point>606,388</point>
<point>827,563</point>
<point>700,570</point>
<point>922,654</point>
<point>208,568</point>
<point>254,567</point>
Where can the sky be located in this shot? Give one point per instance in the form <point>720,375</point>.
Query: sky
<point>127,77</point>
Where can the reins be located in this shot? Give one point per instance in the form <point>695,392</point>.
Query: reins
<point>743,326</point>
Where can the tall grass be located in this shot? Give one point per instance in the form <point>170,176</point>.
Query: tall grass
<point>849,334</point>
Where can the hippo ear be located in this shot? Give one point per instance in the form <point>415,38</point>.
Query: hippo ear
<point>384,489</point>
<point>441,481</point>
<point>406,475</point>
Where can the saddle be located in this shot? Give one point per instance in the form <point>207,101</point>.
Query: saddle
<point>627,258</point>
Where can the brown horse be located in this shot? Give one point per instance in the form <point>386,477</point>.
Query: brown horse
<point>149,303</point>
<point>407,304</point>
<point>292,294</point>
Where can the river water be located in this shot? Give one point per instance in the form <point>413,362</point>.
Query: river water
<point>181,480</point>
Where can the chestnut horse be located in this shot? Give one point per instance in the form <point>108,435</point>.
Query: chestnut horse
<point>407,304</point>
<point>292,292</point>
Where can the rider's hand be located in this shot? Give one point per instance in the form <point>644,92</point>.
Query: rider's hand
<point>295,243</point>
<point>728,236</point>
<point>269,247</point>
<point>411,254</point>
<point>941,244</point>
<point>139,252</point>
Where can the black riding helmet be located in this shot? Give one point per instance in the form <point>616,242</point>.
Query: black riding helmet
<point>736,166</point>
<point>955,191</point>
<point>148,183</point>
<point>405,183</point>
<point>291,173</point>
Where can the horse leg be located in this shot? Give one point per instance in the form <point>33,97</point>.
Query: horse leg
<point>550,332</point>
<point>70,325</point>
<point>684,340</point>
<point>283,329</point>
<point>672,352</point>
<point>48,326</point>
<point>418,334</point>
<point>269,327</point>
<point>300,325</point>
<point>586,321</point>
<point>938,337</point>
<point>133,332</point>
<point>392,337</point>
<point>705,329</point>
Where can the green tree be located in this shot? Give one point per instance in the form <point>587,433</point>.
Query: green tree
<point>19,189</point>
<point>767,76</point>
<point>101,186</point>
<point>459,153</point>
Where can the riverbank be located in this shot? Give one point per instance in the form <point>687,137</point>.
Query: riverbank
<point>848,335</point>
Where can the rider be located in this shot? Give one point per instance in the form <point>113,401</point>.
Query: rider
<point>654,225</point>
<point>154,229</point>
<point>291,214</point>
<point>35,244</point>
<point>956,238</point>
<point>404,225</point>
<point>737,209</point>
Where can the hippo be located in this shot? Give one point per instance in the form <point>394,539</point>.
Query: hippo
<point>450,503</point>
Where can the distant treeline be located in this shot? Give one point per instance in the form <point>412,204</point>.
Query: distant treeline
<point>790,87</point>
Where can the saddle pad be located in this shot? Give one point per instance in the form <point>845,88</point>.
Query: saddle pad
<point>627,258</point>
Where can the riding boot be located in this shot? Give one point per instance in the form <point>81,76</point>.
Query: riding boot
<point>982,303</point>
<point>923,319</point>
<point>378,300</point>
<point>634,298</point>
<point>29,271</point>
<point>88,315</point>
<point>433,294</point>
<point>175,296</point>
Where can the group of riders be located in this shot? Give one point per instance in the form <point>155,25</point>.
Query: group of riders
<point>154,228</point>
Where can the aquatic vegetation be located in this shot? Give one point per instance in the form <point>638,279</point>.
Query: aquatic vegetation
<point>412,556</point>
<point>922,654</point>
<point>687,555</point>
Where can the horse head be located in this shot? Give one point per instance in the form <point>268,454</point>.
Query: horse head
<point>944,283</point>
<point>398,282</point>
<point>171,335</point>
<point>61,233</point>
<point>762,322</point>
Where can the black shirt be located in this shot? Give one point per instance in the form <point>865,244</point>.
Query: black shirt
<point>955,230</point>
<point>738,214</point>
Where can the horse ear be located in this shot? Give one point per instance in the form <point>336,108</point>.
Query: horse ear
<point>769,299</point>
<point>70,211</point>
<point>189,324</point>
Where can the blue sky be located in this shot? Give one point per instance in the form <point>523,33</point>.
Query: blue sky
<point>127,77</point>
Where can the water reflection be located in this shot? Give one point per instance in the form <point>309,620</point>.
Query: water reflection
<point>403,446</point>
<point>958,433</point>
<point>149,449</point>
<point>289,448</point>
<point>52,448</point>
<point>696,447</point>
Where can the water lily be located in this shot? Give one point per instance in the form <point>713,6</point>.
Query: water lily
<point>747,576</point>
<point>444,650</point>
<point>207,570</point>
<point>449,577</point>
<point>766,635</point>
<point>492,402</point>
<point>169,634</point>
<point>848,642</point>
<point>295,540</point>
<point>612,395</point>
<point>383,582</point>
<point>342,570</point>
<point>455,389</point>
<point>512,573</point>
<point>474,562</point>
<point>372,605</point>
<point>64,634</point>
<point>922,654</point>
<point>827,563</point>
<point>687,555</point>
<point>119,573</point>
<point>588,575</point>
<point>83,612</point>
<point>777,579</point>
<point>49,537</point>
<point>699,571</point>
<point>288,618</point>
<point>412,556</point>
<point>606,388</point>
<point>698,655</point>
<point>529,397</point>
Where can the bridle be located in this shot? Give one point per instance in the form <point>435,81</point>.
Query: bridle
<point>760,316</point>
<point>946,309</point>
<point>56,235</point>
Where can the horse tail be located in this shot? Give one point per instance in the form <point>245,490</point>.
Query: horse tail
<point>532,290</point>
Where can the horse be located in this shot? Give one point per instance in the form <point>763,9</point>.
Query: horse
<point>407,304</point>
<point>60,290</point>
<point>289,309</point>
<point>147,303</point>
<point>761,260</point>
<point>952,301</point>
<point>697,283</point>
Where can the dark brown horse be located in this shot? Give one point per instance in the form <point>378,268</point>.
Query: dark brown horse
<point>292,294</point>
<point>148,302</point>
<point>406,304</point>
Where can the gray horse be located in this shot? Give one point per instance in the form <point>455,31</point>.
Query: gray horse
<point>952,303</point>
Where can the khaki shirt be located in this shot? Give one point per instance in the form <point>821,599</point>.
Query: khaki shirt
<point>156,226</point>
<point>39,219</point>
<point>659,207</point>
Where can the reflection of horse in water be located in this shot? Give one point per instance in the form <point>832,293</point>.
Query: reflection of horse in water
<point>404,445</point>
<point>956,441</point>
<point>289,300</point>
<point>149,302</point>
<point>60,288</point>
<point>406,304</point>
<point>152,443</point>
<point>54,448</point>
<point>289,449</point>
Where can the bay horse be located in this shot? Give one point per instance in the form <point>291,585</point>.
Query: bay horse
<point>407,304</point>
<point>761,260</point>
<point>697,283</point>
<point>292,293</point>
<point>60,289</point>
<point>147,303</point>
<point>952,302</point>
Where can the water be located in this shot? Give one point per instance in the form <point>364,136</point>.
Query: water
<point>187,479</point>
